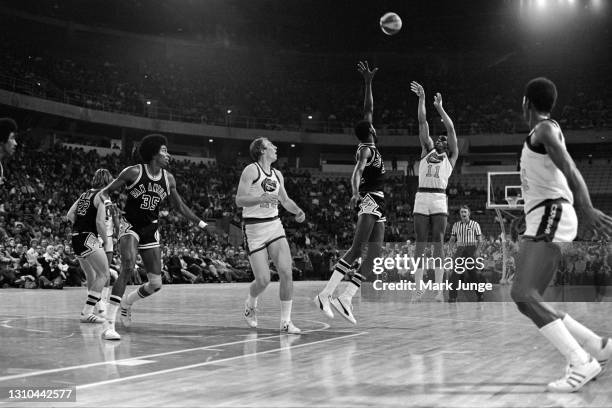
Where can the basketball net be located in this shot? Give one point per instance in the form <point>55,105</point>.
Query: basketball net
<point>512,201</point>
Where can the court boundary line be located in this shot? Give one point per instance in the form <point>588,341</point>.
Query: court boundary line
<point>167,353</point>
<point>223,360</point>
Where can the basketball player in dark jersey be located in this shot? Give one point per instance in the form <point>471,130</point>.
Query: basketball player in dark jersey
<point>147,185</point>
<point>367,184</point>
<point>8,132</point>
<point>554,191</point>
<point>88,214</point>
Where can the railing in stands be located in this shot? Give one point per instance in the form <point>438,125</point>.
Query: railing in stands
<point>45,90</point>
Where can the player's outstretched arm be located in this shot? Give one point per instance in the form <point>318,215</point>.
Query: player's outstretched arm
<point>362,159</point>
<point>288,203</point>
<point>243,198</point>
<point>116,218</point>
<point>179,205</point>
<point>126,177</point>
<point>450,129</point>
<point>101,217</point>
<point>426,142</point>
<point>368,103</point>
<point>550,136</point>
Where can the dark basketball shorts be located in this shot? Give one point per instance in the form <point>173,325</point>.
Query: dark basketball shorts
<point>85,243</point>
<point>373,203</point>
<point>147,236</point>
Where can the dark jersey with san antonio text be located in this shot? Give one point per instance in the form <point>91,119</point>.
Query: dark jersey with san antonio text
<point>144,197</point>
<point>86,212</point>
<point>373,176</point>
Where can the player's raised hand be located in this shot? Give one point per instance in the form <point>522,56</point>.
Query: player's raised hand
<point>267,198</point>
<point>438,101</point>
<point>300,216</point>
<point>364,70</point>
<point>417,89</point>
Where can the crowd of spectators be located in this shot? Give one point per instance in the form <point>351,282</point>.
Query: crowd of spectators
<point>278,89</point>
<point>35,248</point>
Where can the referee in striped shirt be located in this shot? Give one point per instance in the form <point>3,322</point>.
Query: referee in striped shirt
<point>467,235</point>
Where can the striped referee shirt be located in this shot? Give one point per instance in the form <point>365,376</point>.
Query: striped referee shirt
<point>466,233</point>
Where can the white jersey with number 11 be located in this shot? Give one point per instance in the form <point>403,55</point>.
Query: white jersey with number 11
<point>434,170</point>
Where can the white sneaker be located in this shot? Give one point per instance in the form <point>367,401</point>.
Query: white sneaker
<point>250,315</point>
<point>345,308</point>
<point>322,303</point>
<point>440,297</point>
<point>111,334</point>
<point>125,315</point>
<point>604,355</point>
<point>289,328</point>
<point>91,318</point>
<point>576,376</point>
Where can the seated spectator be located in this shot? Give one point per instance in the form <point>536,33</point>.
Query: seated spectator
<point>51,276</point>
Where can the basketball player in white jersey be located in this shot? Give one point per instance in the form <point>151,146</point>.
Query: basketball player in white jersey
<point>88,215</point>
<point>367,184</point>
<point>111,221</point>
<point>8,132</point>
<point>261,189</point>
<point>551,185</point>
<point>430,204</point>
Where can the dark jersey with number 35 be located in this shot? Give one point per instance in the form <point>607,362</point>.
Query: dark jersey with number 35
<point>144,197</point>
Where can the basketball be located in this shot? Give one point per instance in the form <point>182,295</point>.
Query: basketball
<point>390,23</point>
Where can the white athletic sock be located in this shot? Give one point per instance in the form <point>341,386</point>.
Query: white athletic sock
<point>252,301</point>
<point>111,312</point>
<point>131,298</point>
<point>105,293</point>
<point>92,299</point>
<point>439,276</point>
<point>340,269</point>
<point>586,338</point>
<point>562,339</point>
<point>353,286</point>
<point>286,310</point>
<point>418,278</point>
<point>101,305</point>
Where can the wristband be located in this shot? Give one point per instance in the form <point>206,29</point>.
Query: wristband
<point>202,224</point>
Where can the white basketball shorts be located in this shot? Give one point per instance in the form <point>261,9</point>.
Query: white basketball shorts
<point>552,221</point>
<point>258,234</point>
<point>430,204</point>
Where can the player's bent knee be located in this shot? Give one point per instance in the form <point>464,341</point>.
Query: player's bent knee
<point>524,299</point>
<point>285,273</point>
<point>518,294</point>
<point>262,281</point>
<point>127,270</point>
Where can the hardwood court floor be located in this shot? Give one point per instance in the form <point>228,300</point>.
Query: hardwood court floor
<point>188,346</point>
